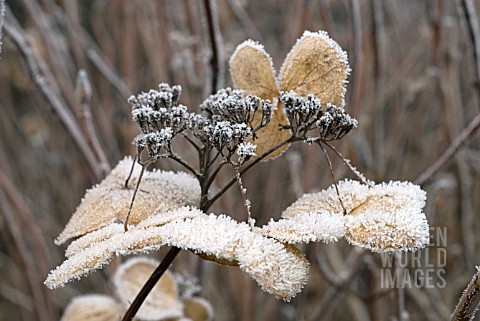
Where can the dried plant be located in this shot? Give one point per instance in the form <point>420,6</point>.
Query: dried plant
<point>173,298</point>
<point>134,210</point>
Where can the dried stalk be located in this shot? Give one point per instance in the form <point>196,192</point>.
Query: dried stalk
<point>54,101</point>
<point>469,301</point>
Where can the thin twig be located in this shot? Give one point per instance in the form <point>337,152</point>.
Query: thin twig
<point>125,224</point>
<point>83,91</point>
<point>216,61</point>
<point>462,138</point>
<point>2,14</point>
<point>232,181</point>
<point>333,177</point>
<point>474,33</point>
<point>347,163</point>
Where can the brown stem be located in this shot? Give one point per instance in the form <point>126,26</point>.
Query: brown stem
<point>214,37</point>
<point>469,301</point>
<point>156,275</point>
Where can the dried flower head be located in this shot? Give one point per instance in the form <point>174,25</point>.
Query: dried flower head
<point>92,307</point>
<point>385,217</point>
<point>307,112</point>
<point>110,200</point>
<point>162,302</point>
<point>316,65</point>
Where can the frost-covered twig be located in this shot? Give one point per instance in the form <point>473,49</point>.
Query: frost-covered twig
<point>469,301</point>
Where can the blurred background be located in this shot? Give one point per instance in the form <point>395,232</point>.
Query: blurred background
<point>413,88</point>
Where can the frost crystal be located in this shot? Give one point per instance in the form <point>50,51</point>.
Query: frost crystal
<point>110,200</point>
<point>307,227</point>
<point>279,269</point>
<point>382,218</point>
<point>245,151</point>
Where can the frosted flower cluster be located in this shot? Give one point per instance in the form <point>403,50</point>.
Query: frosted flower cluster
<point>305,113</point>
<point>245,151</point>
<point>232,106</point>
<point>165,301</point>
<point>226,123</point>
<point>160,118</point>
<point>382,218</point>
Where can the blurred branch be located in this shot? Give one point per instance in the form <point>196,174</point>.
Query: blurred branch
<point>469,301</point>
<point>216,59</point>
<point>108,73</point>
<point>54,102</point>
<point>40,300</point>
<point>83,93</point>
<point>2,14</point>
<point>464,136</point>
<point>474,33</point>
<point>356,58</point>
<point>244,19</point>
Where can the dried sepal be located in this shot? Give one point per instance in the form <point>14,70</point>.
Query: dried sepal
<point>279,269</point>
<point>161,303</point>
<point>389,219</point>
<point>198,309</point>
<point>252,71</point>
<point>99,253</point>
<point>80,264</point>
<point>273,134</point>
<point>110,200</point>
<point>88,240</point>
<point>307,227</point>
<point>383,217</point>
<point>92,307</point>
<point>164,217</point>
<point>316,65</point>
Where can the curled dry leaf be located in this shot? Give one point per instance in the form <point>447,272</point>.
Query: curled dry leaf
<point>93,307</point>
<point>198,309</point>
<point>161,303</point>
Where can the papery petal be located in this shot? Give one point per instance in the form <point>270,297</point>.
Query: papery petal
<point>110,200</point>
<point>93,307</point>
<point>252,71</point>
<point>316,65</point>
<point>161,303</point>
